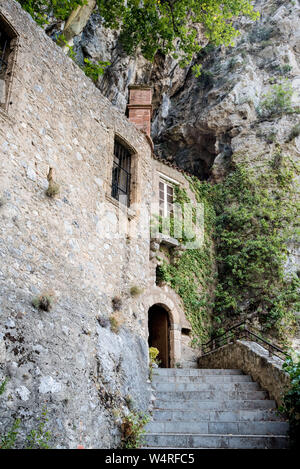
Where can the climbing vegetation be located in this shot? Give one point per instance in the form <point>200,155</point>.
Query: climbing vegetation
<point>256,217</point>
<point>249,219</point>
<point>192,274</point>
<point>133,429</point>
<point>291,400</point>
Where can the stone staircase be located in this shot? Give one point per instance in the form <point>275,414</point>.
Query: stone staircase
<point>210,408</point>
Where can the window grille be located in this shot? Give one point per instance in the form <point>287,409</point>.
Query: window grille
<point>4,43</point>
<point>166,199</point>
<point>121,175</point>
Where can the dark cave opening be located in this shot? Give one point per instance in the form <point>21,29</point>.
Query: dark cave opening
<point>196,153</point>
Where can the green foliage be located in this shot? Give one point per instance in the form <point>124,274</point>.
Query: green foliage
<point>91,69</point>
<point>169,26</point>
<point>153,352</point>
<point>115,322</point>
<point>52,190</point>
<point>37,438</point>
<point>136,291</point>
<point>277,101</point>
<point>8,440</point>
<point>295,132</point>
<point>291,400</point>
<point>250,217</point>
<point>3,386</point>
<point>43,301</point>
<point>253,225</point>
<point>94,70</point>
<point>133,429</point>
<point>40,10</point>
<point>166,25</point>
<point>192,274</point>
<point>153,360</point>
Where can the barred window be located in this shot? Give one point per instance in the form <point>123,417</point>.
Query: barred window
<point>4,47</point>
<point>8,41</point>
<point>121,174</point>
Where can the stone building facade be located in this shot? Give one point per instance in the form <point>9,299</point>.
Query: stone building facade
<point>87,357</point>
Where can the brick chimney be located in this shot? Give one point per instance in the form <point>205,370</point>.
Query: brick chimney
<point>140,107</point>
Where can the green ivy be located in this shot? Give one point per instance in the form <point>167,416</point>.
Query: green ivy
<point>191,276</point>
<point>291,400</point>
<point>256,216</point>
<point>249,218</point>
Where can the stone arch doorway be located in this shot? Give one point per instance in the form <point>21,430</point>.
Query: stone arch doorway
<point>159,333</point>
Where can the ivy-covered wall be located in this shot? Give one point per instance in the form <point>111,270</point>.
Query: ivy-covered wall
<point>249,219</point>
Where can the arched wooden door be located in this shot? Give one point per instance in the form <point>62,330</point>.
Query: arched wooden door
<point>159,335</point>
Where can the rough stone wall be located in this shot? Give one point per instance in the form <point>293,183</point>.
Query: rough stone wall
<point>67,359</point>
<point>254,360</point>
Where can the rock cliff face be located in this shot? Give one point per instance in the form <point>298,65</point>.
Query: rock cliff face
<point>200,122</point>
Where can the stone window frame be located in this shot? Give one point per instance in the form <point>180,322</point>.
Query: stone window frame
<point>13,37</point>
<point>134,193</point>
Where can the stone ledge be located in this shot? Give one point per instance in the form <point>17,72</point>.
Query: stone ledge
<point>252,359</point>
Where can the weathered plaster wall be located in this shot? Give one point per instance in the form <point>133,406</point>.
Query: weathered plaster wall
<point>254,360</point>
<point>68,358</point>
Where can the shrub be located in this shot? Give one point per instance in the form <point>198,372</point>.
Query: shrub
<point>53,187</point>
<point>94,70</point>
<point>135,291</point>
<point>3,386</point>
<point>44,301</point>
<point>116,303</point>
<point>133,428</point>
<point>291,400</point>
<point>295,132</point>
<point>277,101</point>
<point>114,324</point>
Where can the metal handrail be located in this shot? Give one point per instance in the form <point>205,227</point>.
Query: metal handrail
<point>241,331</point>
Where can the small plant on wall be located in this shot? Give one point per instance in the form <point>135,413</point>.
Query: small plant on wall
<point>291,400</point>
<point>133,429</point>
<point>53,188</point>
<point>44,301</point>
<point>116,303</point>
<point>136,291</point>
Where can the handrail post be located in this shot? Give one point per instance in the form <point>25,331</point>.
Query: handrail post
<point>270,351</point>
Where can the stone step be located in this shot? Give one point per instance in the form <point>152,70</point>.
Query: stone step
<point>221,428</point>
<point>217,405</point>
<point>204,387</point>
<point>216,415</point>
<point>210,395</point>
<point>187,440</point>
<point>194,371</point>
<point>202,379</point>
